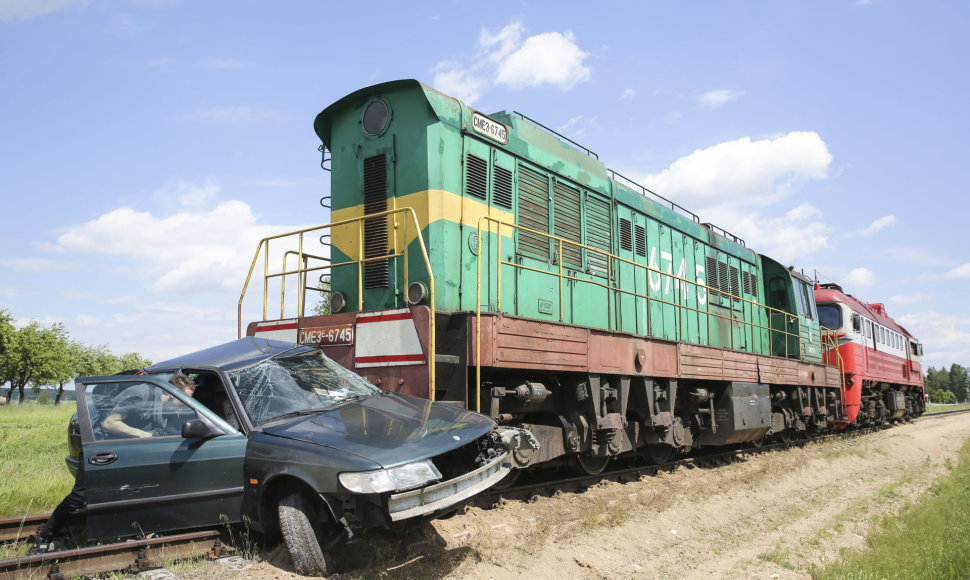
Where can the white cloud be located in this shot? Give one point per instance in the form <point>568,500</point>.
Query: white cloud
<point>881,223</point>
<point>195,249</point>
<point>627,94</point>
<point>16,10</point>
<point>715,99</point>
<point>858,279</point>
<point>548,58</point>
<point>915,298</point>
<point>742,172</point>
<point>944,336</point>
<point>510,58</point>
<point>237,115</point>
<point>790,238</point>
<point>958,272</point>
<point>461,84</point>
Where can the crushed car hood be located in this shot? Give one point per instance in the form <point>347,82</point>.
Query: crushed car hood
<point>389,429</point>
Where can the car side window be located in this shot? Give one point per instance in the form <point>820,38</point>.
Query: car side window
<point>135,409</point>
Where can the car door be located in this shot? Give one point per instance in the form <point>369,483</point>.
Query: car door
<point>165,482</point>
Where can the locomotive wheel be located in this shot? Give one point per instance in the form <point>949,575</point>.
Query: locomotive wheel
<point>785,436</point>
<point>591,465</point>
<point>658,453</point>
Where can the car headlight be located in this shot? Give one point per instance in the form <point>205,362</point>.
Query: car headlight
<point>397,478</point>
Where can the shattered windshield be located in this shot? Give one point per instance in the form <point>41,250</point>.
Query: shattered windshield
<point>296,384</point>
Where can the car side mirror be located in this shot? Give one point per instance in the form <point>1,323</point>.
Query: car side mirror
<point>199,429</point>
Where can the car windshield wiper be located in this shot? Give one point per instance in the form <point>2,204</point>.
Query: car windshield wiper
<point>351,399</point>
<point>298,413</point>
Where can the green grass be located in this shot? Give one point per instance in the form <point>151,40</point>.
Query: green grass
<point>33,444</point>
<point>930,539</point>
<point>935,408</point>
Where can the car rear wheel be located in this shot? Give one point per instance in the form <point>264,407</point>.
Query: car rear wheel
<point>301,532</point>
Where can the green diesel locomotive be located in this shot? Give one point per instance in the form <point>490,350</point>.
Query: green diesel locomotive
<point>488,261</point>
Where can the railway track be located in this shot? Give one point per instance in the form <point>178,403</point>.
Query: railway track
<point>135,556</point>
<point>579,483</point>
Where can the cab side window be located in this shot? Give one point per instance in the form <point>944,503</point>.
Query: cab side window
<point>134,410</point>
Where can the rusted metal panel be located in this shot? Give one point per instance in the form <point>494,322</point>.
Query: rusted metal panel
<point>539,345</point>
<point>611,353</point>
<point>777,371</point>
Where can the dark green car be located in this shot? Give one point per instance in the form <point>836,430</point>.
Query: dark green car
<point>280,436</point>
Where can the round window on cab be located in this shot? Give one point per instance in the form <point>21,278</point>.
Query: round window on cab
<point>376,117</point>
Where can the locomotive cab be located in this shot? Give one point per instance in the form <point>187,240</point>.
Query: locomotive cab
<point>794,315</point>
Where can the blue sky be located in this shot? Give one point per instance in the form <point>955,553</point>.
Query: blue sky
<point>147,145</point>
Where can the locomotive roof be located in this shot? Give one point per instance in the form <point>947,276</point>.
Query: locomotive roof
<point>834,293</point>
<point>530,140</point>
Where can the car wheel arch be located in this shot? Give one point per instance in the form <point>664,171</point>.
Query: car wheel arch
<point>282,485</point>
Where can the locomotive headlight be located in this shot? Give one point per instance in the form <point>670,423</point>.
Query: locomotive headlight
<point>337,302</point>
<point>406,476</point>
<point>417,292</point>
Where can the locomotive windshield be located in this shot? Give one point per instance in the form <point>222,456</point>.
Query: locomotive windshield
<point>830,316</point>
<point>296,384</point>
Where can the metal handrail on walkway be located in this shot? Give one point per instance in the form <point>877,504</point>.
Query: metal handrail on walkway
<point>309,263</point>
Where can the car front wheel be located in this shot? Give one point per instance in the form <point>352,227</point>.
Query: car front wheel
<point>301,532</point>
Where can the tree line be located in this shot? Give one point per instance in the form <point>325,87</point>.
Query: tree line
<point>948,386</point>
<point>36,356</point>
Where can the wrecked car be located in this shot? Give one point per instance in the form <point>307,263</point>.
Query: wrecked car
<point>278,436</point>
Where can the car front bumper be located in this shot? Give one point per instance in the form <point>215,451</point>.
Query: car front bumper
<point>427,500</point>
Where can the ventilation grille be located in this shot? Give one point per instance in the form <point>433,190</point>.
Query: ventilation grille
<point>598,234</point>
<point>750,283</point>
<point>626,235</point>
<point>502,187</point>
<point>640,238</point>
<point>476,183</point>
<point>567,222</point>
<point>533,213</point>
<point>375,230</point>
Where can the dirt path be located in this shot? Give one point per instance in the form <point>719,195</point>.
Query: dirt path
<point>772,516</point>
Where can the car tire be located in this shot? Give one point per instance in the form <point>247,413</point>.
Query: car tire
<point>300,532</point>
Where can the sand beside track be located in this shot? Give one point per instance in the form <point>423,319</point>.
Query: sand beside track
<point>772,516</point>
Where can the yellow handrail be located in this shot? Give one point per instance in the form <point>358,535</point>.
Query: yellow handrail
<point>303,268</point>
<point>488,224</point>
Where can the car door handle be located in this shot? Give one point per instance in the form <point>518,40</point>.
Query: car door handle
<point>103,458</point>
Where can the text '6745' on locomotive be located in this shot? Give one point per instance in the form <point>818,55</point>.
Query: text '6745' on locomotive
<point>490,262</point>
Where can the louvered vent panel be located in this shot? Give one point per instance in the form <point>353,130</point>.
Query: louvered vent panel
<point>598,234</point>
<point>533,213</point>
<point>712,272</point>
<point>476,182</point>
<point>733,273</point>
<point>566,210</point>
<point>375,230</point>
<point>723,279</point>
<point>502,187</point>
<point>626,235</point>
<point>640,239</point>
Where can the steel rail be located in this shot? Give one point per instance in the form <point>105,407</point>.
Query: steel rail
<point>132,556</point>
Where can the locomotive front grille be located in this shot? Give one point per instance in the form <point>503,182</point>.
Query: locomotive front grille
<point>375,230</point>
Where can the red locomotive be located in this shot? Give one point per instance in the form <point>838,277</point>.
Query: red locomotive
<point>880,358</point>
